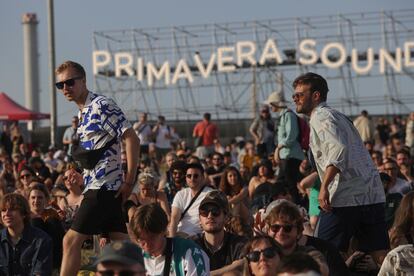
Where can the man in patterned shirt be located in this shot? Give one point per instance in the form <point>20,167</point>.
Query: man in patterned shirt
<point>101,122</point>
<point>351,195</point>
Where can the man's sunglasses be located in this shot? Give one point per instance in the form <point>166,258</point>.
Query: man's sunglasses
<point>268,253</point>
<point>214,210</point>
<point>121,273</point>
<point>69,82</point>
<point>194,176</point>
<point>25,176</point>
<point>287,228</point>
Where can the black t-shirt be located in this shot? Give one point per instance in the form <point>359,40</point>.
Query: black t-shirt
<point>229,251</point>
<point>334,260</point>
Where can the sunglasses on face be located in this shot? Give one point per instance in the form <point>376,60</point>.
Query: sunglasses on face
<point>214,210</point>
<point>25,176</point>
<point>299,95</point>
<point>69,82</point>
<point>194,176</point>
<point>287,228</point>
<point>268,253</point>
<point>121,273</point>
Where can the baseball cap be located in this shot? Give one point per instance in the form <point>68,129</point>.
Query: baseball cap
<point>123,252</point>
<point>216,198</point>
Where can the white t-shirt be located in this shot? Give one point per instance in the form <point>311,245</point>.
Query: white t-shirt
<point>144,133</point>
<point>401,186</point>
<point>161,140</point>
<point>190,223</point>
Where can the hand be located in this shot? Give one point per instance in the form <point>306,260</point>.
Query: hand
<point>103,241</point>
<point>277,158</point>
<point>366,264</point>
<point>323,199</point>
<point>125,191</point>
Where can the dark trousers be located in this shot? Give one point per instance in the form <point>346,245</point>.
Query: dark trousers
<point>290,175</point>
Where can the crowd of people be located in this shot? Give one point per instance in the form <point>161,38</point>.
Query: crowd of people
<point>309,192</point>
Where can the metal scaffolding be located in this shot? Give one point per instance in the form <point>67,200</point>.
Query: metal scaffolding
<point>237,94</point>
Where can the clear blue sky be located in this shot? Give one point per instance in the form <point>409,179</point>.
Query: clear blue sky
<point>75,21</point>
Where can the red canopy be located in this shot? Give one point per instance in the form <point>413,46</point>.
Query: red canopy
<point>12,111</point>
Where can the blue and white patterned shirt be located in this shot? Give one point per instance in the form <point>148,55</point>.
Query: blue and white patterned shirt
<point>100,121</point>
<point>335,141</point>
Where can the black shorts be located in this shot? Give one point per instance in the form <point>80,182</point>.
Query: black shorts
<point>100,212</point>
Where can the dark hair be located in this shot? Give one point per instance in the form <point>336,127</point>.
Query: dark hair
<point>197,166</point>
<point>70,64</point>
<point>403,221</point>
<point>16,202</point>
<point>149,218</point>
<point>40,187</point>
<point>178,165</point>
<point>404,151</point>
<point>298,262</point>
<point>207,116</point>
<point>224,185</point>
<point>261,237</point>
<point>27,168</point>
<point>316,82</point>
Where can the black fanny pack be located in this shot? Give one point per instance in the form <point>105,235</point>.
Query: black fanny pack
<point>87,159</point>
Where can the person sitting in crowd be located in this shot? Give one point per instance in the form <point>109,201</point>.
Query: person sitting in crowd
<point>24,249</point>
<point>148,194</point>
<point>7,175</point>
<point>405,165</point>
<point>248,158</point>
<point>397,185</point>
<point>184,213</point>
<point>47,219</point>
<point>214,172</point>
<point>177,181</point>
<point>402,231</point>
<point>299,263</point>
<point>263,255</point>
<point>162,255</point>
<point>223,248</point>
<point>264,174</point>
<point>120,258</point>
<point>284,223</point>
<point>377,158</point>
<point>26,176</point>
<point>231,184</point>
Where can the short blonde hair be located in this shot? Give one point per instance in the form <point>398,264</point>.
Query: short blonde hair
<point>70,64</point>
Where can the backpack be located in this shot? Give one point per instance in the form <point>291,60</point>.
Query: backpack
<point>304,132</point>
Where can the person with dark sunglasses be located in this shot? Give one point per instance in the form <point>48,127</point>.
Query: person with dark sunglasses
<point>222,247</point>
<point>102,128</point>
<point>185,206</point>
<point>284,223</point>
<point>263,255</point>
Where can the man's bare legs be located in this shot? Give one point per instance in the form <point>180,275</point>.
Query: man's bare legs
<point>72,244</point>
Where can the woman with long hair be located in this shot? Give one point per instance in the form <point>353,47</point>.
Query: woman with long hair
<point>26,176</point>
<point>263,255</point>
<point>402,231</point>
<point>231,184</point>
<point>265,173</point>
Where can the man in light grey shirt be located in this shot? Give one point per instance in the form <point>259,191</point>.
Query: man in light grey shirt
<point>351,196</point>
